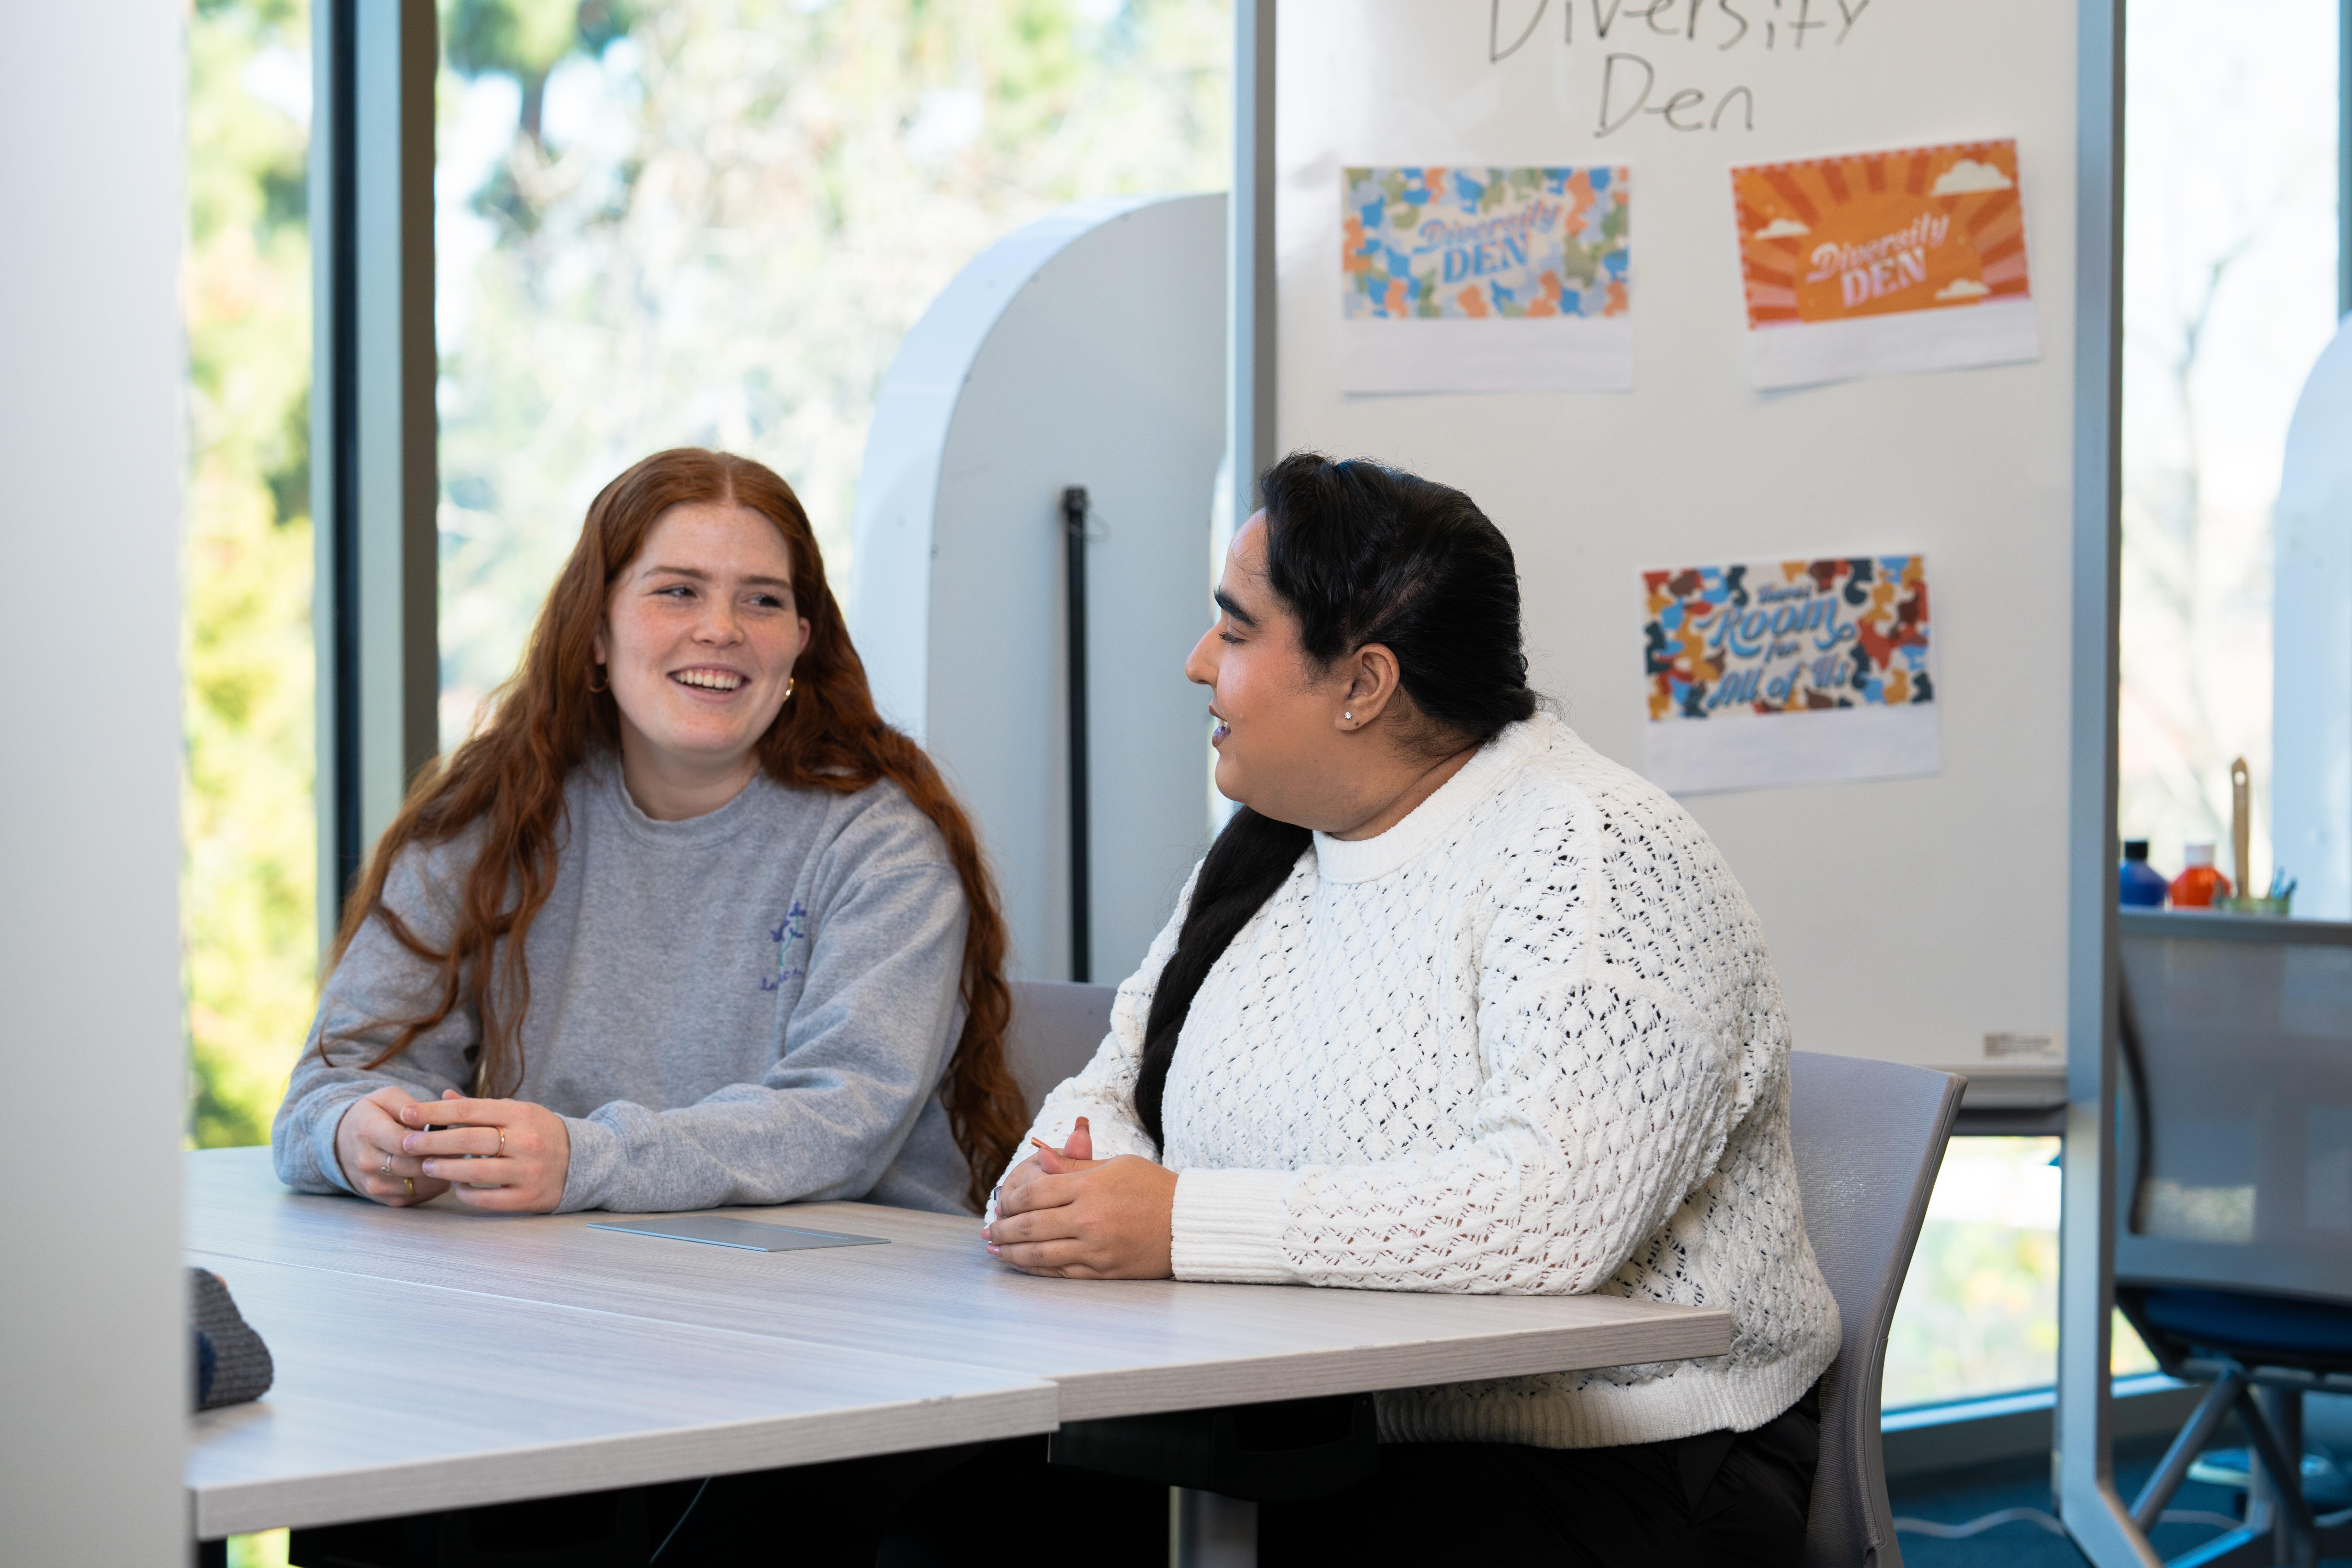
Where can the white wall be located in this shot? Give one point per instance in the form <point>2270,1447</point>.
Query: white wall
<point>92,1363</point>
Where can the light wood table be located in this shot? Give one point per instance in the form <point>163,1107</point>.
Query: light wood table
<point>393,1398</point>
<point>1112,1347</point>
<point>930,1299</point>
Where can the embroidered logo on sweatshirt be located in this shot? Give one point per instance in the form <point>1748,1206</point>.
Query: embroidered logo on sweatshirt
<point>788,936</point>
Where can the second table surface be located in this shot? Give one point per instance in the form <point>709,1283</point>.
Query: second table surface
<point>1113,1347</point>
<point>623,1358</point>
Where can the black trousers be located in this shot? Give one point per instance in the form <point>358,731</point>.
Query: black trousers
<point>1719,1497</point>
<point>973,1507</point>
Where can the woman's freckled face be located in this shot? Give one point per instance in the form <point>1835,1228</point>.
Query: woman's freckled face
<point>700,636</point>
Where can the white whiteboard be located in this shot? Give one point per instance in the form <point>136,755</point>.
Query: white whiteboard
<point>1910,918</point>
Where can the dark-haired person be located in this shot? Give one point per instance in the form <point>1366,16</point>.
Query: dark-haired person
<point>683,923</point>
<point>1455,1003</point>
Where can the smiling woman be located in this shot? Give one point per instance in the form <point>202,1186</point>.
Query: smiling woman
<point>699,657</point>
<point>684,923</point>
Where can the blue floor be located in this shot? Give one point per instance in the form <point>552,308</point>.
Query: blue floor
<point>1955,1497</point>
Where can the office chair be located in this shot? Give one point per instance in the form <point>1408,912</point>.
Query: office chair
<point>2233,1238</point>
<point>1869,1138</point>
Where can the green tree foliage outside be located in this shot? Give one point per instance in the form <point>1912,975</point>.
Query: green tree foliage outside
<point>1978,1314</point>
<point>711,222</point>
<point>248,889</point>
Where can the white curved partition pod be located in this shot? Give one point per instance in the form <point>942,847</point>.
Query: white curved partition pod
<point>1085,349</point>
<point>2311,691</point>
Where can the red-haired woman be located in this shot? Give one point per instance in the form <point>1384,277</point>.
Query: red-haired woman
<point>684,923</point>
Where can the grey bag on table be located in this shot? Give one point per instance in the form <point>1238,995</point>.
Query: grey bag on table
<point>232,1364</point>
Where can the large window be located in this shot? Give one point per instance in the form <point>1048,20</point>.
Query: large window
<point>1978,1314</point>
<point>704,221</point>
<point>711,222</point>
<point>1979,1309</point>
<point>2230,292</point>
<point>248,886</point>
<point>248,899</point>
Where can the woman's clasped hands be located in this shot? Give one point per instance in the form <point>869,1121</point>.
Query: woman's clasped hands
<point>503,1155</point>
<point>1064,1213</point>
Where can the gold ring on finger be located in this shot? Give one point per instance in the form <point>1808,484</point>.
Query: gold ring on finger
<point>502,1142</point>
<point>409,1184</point>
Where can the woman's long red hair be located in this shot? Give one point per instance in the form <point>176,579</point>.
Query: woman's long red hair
<point>509,774</point>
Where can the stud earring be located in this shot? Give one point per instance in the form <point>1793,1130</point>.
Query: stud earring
<point>1350,718</point>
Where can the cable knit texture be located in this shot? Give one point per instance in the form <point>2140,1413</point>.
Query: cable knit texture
<point>1527,1040</point>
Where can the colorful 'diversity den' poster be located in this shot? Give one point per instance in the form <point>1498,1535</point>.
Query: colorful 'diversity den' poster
<point>1459,279</point>
<point>1884,263</point>
<point>1789,672</point>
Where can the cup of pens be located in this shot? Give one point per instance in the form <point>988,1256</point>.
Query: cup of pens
<point>2278,902</point>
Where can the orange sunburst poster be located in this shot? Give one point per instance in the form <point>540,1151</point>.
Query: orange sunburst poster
<point>1884,263</point>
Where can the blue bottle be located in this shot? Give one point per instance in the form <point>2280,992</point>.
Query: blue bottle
<point>2138,884</point>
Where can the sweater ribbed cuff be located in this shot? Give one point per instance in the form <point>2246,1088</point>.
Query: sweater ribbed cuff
<point>325,1123</point>
<point>596,1157</point>
<point>1227,1226</point>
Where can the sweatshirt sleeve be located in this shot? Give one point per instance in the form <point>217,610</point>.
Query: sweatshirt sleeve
<point>379,984</point>
<point>865,1049</point>
<point>1104,1089</point>
<point>1605,1102</point>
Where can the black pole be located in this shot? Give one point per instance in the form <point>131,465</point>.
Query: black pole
<point>1074,542</point>
<point>342,322</point>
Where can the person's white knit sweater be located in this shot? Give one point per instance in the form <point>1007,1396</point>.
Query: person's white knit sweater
<point>1526,1040</point>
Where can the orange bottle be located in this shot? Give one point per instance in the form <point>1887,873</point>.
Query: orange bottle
<point>2197,886</point>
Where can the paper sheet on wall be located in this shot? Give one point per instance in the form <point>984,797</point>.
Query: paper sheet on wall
<point>1884,263</point>
<point>1789,672</point>
<point>1485,279</point>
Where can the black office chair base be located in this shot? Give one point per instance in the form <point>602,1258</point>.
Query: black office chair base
<point>2278,1520</point>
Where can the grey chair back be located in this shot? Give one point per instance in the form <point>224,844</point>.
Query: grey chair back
<point>1056,1029</point>
<point>2235,1159</point>
<point>1869,1138</point>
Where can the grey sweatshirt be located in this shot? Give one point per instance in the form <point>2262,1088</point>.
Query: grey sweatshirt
<point>752,1006</point>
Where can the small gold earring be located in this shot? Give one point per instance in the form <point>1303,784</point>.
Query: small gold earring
<point>788,691</point>
<point>595,689</point>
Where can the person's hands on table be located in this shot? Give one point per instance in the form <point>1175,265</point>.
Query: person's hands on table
<point>521,1152</point>
<point>368,1147</point>
<point>1063,1212</point>
<point>1077,1154</point>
